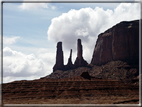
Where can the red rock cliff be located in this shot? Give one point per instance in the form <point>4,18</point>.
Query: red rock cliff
<point>121,42</point>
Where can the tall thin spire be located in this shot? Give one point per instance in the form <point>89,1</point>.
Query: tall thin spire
<point>59,58</point>
<point>79,60</point>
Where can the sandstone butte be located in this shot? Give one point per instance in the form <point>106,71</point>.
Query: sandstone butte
<point>121,42</point>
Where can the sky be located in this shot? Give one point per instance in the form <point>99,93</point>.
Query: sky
<point>31,32</point>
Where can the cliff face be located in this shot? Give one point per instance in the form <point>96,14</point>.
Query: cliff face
<point>121,42</point>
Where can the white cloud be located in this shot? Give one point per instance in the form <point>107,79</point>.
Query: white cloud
<point>47,55</point>
<point>53,7</point>
<point>10,40</point>
<point>32,6</point>
<point>17,65</point>
<point>12,78</point>
<point>36,6</point>
<point>87,23</point>
<point>81,32</point>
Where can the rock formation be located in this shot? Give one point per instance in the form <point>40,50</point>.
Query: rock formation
<point>69,64</point>
<point>121,42</point>
<point>116,82</point>
<point>79,60</point>
<point>59,65</point>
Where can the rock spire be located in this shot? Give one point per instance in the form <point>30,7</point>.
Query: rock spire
<point>69,64</point>
<point>79,60</point>
<point>59,58</point>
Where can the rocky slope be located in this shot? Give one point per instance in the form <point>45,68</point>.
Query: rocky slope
<point>82,89</point>
<point>115,70</point>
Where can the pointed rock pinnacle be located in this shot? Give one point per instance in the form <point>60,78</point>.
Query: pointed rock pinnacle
<point>69,64</point>
<point>59,58</point>
<point>79,60</point>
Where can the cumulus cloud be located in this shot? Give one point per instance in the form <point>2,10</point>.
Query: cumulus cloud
<point>10,40</point>
<point>87,23</point>
<point>48,56</point>
<point>17,65</point>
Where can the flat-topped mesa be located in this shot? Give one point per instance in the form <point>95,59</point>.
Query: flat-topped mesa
<point>79,62</point>
<point>59,58</point>
<point>69,64</point>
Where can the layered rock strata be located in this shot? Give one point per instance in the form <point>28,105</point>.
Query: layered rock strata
<point>121,42</point>
<point>79,62</point>
<point>68,90</point>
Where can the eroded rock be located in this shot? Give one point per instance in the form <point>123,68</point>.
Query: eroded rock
<point>79,62</point>
<point>69,64</point>
<point>59,65</point>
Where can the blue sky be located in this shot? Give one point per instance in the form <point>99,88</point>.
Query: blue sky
<point>32,25</point>
<point>31,32</point>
